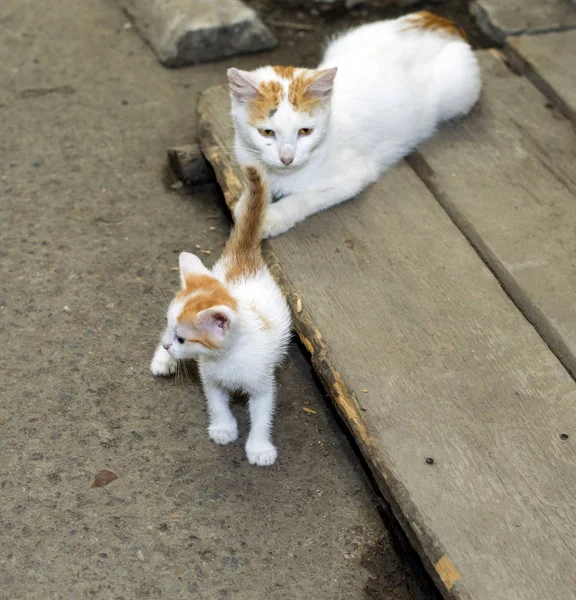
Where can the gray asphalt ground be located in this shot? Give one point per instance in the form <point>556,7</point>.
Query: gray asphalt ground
<point>90,235</point>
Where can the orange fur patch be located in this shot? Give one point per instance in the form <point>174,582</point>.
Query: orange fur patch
<point>270,94</point>
<point>285,72</point>
<point>207,292</point>
<point>266,325</point>
<point>242,252</point>
<point>425,20</point>
<point>298,94</point>
<point>266,102</point>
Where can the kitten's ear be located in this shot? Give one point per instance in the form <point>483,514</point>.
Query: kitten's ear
<point>190,265</point>
<point>321,87</point>
<point>242,85</point>
<point>216,320</point>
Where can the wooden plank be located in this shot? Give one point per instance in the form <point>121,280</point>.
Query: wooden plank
<point>501,18</point>
<point>507,177</point>
<point>548,61</point>
<point>389,297</point>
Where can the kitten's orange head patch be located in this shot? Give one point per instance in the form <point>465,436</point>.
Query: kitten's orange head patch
<point>266,102</point>
<point>202,292</point>
<point>425,20</point>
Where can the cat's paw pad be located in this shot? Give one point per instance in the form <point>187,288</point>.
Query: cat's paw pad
<point>163,364</point>
<point>223,433</point>
<point>262,454</point>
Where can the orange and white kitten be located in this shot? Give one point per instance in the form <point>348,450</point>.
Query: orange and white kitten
<point>235,322</point>
<point>324,134</point>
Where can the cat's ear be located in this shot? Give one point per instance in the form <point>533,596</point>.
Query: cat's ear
<point>242,85</point>
<point>215,320</point>
<point>322,85</point>
<point>190,265</point>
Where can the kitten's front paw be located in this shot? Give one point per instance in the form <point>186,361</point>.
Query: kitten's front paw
<point>262,454</point>
<point>162,364</point>
<point>278,220</point>
<point>223,433</point>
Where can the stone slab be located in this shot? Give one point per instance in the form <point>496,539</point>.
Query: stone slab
<point>500,18</point>
<point>183,32</point>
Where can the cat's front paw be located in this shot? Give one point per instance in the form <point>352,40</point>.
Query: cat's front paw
<point>223,433</point>
<point>162,364</point>
<point>277,220</point>
<point>262,454</point>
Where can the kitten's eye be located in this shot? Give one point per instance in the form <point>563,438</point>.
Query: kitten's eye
<point>266,132</point>
<point>180,340</point>
<point>305,131</point>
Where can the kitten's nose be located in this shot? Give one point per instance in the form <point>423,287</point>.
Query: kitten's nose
<point>166,346</point>
<point>287,154</point>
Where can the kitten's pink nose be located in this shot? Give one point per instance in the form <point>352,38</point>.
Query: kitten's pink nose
<point>287,160</point>
<point>166,346</point>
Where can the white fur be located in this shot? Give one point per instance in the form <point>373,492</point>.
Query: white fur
<point>393,87</point>
<point>246,362</point>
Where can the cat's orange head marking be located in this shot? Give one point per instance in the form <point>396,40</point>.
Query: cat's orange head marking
<point>298,93</point>
<point>294,86</point>
<point>266,102</point>
<point>285,72</point>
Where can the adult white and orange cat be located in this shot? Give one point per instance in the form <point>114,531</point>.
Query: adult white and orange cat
<point>234,321</point>
<point>323,135</point>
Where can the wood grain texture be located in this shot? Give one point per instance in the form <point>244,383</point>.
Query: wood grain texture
<point>548,61</point>
<point>392,299</point>
<point>507,176</point>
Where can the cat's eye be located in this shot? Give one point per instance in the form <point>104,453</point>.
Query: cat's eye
<point>180,340</point>
<point>266,132</point>
<point>305,131</point>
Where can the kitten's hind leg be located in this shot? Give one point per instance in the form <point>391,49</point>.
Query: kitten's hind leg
<point>223,427</point>
<point>162,363</point>
<point>259,447</point>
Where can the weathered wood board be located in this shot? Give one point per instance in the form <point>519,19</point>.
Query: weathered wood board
<point>507,177</point>
<point>548,60</point>
<point>501,18</point>
<point>425,356</point>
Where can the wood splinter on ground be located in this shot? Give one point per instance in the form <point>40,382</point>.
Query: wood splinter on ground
<point>189,166</point>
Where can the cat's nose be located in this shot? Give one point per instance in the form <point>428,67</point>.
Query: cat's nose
<point>287,154</point>
<point>166,346</point>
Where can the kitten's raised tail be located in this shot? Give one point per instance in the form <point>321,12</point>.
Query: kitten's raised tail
<point>243,247</point>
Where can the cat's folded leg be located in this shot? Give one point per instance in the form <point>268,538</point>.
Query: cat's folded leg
<point>259,447</point>
<point>162,363</point>
<point>223,427</point>
<point>284,214</point>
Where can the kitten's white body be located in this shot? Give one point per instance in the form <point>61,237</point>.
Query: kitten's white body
<point>258,345</point>
<point>394,86</point>
<point>245,335</point>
